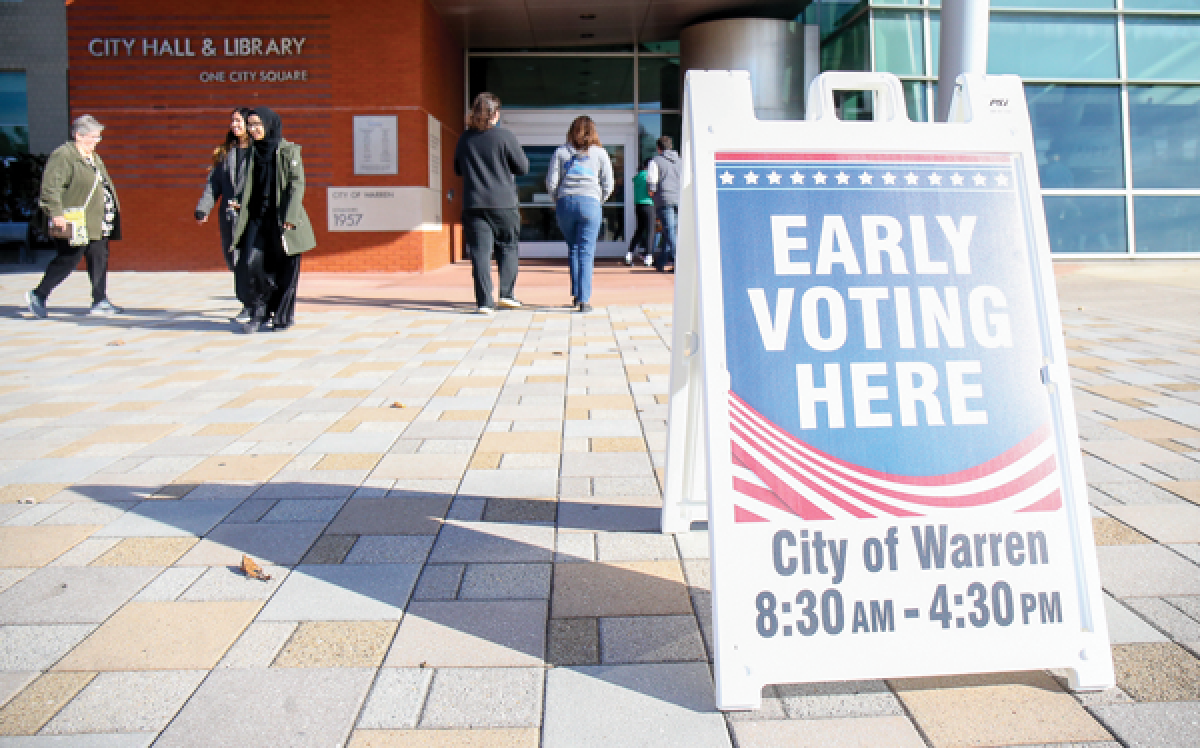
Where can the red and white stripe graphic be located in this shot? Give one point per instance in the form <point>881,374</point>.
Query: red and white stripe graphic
<point>780,471</point>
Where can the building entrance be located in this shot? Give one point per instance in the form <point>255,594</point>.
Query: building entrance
<point>542,131</point>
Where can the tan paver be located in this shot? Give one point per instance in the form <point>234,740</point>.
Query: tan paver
<point>365,367</point>
<point>619,589</point>
<point>1108,531</point>
<point>163,636</point>
<point>999,709</point>
<point>31,709</point>
<point>1157,671</point>
<point>496,737</point>
<point>1126,394</point>
<point>1154,428</point>
<point>284,392</point>
<point>618,444</point>
<point>21,491</point>
<point>338,644</point>
<point>236,468</point>
<point>40,544</point>
<point>452,385</point>
<point>600,402</point>
<point>1184,489</point>
<point>485,461</point>
<point>359,416</point>
<point>184,377</point>
<point>45,410</point>
<point>146,552</point>
<point>225,429</point>
<point>348,461</point>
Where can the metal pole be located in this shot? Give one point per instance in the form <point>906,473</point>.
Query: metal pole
<point>964,43</point>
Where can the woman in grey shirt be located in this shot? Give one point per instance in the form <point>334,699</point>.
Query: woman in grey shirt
<point>580,179</point>
<point>225,180</point>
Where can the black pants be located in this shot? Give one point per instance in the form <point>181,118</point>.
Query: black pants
<point>645,229</point>
<point>67,259</point>
<point>487,231</point>
<point>266,276</point>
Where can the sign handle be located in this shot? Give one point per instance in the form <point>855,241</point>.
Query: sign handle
<point>886,88</point>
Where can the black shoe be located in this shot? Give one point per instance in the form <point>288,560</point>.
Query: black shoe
<point>584,307</point>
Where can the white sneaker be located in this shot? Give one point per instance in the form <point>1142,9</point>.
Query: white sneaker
<point>648,260</point>
<point>629,258</point>
<point>487,311</point>
<point>504,303</point>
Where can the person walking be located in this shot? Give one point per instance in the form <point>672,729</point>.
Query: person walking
<point>580,179</point>
<point>489,159</point>
<point>272,228</point>
<point>76,185</point>
<point>226,178</point>
<point>663,180</point>
<point>643,206</point>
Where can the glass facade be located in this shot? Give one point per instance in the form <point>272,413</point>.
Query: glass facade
<point>14,114</point>
<point>1113,90</point>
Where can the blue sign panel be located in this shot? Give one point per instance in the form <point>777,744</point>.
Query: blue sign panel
<point>882,337</point>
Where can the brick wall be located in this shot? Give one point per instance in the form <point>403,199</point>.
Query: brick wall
<point>371,57</point>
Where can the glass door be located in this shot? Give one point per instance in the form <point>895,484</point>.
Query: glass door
<point>540,235</point>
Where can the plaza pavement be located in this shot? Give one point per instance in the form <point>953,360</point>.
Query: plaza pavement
<point>459,518</point>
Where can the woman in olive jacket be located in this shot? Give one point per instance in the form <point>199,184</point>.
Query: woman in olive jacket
<point>272,229</point>
<point>75,177</point>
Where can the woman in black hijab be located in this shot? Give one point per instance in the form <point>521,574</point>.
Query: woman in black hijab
<point>272,228</point>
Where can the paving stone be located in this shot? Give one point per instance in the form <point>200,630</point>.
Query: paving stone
<point>303,510</point>
<point>169,585</point>
<point>628,486</point>
<point>494,737</point>
<point>38,546</point>
<point>258,645</point>
<point>344,592</point>
<point>573,641</point>
<point>650,639</point>
<point>1166,617</point>
<point>1000,709</point>
<point>145,552</point>
<point>629,546</point>
<point>1125,626</point>
<point>506,582</point>
<point>329,549</point>
<point>71,594</point>
<point>231,583</point>
<point>163,636</point>
<point>508,633</point>
<point>383,549</point>
<point>391,516</point>
<point>127,702</point>
<point>1160,671</point>
<point>643,704</point>
<point>536,483</point>
<point>89,513</point>
<point>595,464</point>
<point>290,706</point>
<point>493,542</point>
<point>484,697</point>
<point>269,543</point>
<point>1162,725</point>
<point>225,468</point>
<point>603,516</point>
<point>860,698</point>
<point>86,552</point>
<point>1166,524</point>
<point>619,589</point>
<point>439,582</point>
<point>1108,531</point>
<point>31,709</point>
<point>38,647</point>
<point>13,682</point>
<point>169,519</point>
<point>693,545</point>
<point>1146,571</point>
<point>395,700</point>
<point>1137,494</point>
<point>338,644</point>
<point>520,510</point>
<point>828,733</point>
<point>397,466</point>
<point>575,546</point>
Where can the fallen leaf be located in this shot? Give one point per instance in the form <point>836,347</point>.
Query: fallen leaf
<point>253,570</point>
<point>399,405</point>
<point>115,342</point>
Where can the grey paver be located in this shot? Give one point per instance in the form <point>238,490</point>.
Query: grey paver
<point>13,682</point>
<point>643,704</point>
<point>170,519</point>
<point>484,697</point>
<point>1125,626</point>
<point>170,584</point>
<point>394,549</point>
<point>1146,571</point>
<point>230,583</point>
<point>396,698</point>
<point>291,706</point>
<point>345,592</point>
<point>493,542</point>
<point>258,645</point>
<point>630,546</point>
<point>502,633</point>
<point>65,594</point>
<point>127,702</point>
<point>274,543</point>
<point>506,582</point>
<point>869,698</point>
<point>650,639</point>
<point>439,582</point>
<point>90,740</point>
<point>532,483</point>
<point>303,510</point>
<point>38,647</point>
<point>1161,725</point>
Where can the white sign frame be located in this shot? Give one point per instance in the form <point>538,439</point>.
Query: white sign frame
<point>991,116</point>
<point>375,145</point>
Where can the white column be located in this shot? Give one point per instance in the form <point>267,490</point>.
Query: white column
<point>964,45</point>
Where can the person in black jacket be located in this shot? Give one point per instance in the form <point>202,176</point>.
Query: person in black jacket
<point>489,159</point>
<point>225,180</point>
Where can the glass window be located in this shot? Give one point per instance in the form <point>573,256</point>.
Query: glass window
<point>555,82</point>
<point>1047,46</point>
<point>14,115</point>
<point>935,42</point>
<point>538,222</point>
<point>1077,133</point>
<point>651,126</point>
<point>846,47</point>
<point>895,2</point>
<point>1163,48</point>
<point>1164,123</point>
<point>1055,4</point>
<point>915,101</point>
<point>898,44</point>
<point>1162,4</point>
<point>658,82</point>
<point>854,106</point>
<point>1167,224</point>
<point>660,48</point>
<point>1085,224</point>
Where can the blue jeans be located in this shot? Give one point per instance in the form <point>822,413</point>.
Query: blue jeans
<point>668,216</point>
<point>579,219</point>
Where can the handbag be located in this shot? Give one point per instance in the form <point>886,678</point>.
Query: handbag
<point>75,232</point>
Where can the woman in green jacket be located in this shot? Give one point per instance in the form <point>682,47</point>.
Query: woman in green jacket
<point>272,229</point>
<point>74,178</point>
